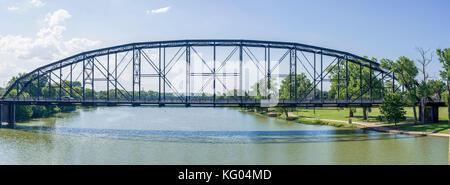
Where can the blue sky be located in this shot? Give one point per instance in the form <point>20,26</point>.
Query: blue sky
<point>381,29</point>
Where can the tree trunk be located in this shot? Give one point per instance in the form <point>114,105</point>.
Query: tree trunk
<point>350,113</point>
<point>415,114</point>
<point>422,111</point>
<point>286,112</point>
<point>365,113</point>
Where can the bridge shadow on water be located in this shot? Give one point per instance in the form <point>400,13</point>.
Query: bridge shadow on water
<point>221,137</point>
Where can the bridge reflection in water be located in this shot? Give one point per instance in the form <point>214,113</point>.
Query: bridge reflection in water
<point>221,137</point>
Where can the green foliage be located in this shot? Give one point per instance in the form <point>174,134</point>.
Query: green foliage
<point>392,108</point>
<point>444,97</point>
<point>303,86</point>
<point>259,89</point>
<point>444,59</point>
<point>423,90</point>
<point>40,112</point>
<point>67,108</point>
<point>25,112</point>
<point>386,63</point>
<point>436,87</point>
<point>405,73</point>
<point>2,91</point>
<point>430,88</point>
<point>284,110</point>
<point>321,122</point>
<point>440,127</point>
<point>355,81</point>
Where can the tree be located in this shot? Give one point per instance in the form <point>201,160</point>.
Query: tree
<point>436,87</point>
<point>259,90</point>
<point>424,61</point>
<point>360,79</point>
<point>444,59</point>
<point>423,92</point>
<point>23,112</point>
<point>431,88</point>
<point>405,73</point>
<point>2,90</point>
<point>302,87</point>
<point>393,108</point>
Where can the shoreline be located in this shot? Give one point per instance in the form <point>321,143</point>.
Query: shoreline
<point>385,128</point>
<point>359,125</point>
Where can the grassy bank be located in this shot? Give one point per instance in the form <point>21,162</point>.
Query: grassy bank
<point>373,115</point>
<point>322,122</point>
<point>267,112</point>
<point>315,117</point>
<point>441,127</point>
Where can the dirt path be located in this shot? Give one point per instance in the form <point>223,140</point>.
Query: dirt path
<point>378,127</point>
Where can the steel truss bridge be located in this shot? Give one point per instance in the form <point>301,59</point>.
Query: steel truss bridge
<point>198,73</point>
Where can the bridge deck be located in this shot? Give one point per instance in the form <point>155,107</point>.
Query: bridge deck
<point>193,102</point>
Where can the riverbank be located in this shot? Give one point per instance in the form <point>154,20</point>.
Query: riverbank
<point>302,120</point>
<point>409,128</point>
<point>391,128</point>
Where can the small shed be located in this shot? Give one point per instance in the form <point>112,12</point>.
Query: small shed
<point>432,109</point>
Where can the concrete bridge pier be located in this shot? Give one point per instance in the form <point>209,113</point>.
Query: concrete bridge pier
<point>8,115</point>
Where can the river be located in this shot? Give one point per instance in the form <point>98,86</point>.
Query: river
<point>178,135</point>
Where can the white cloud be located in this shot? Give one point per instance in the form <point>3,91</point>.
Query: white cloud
<point>16,45</point>
<point>80,44</point>
<point>13,8</point>
<point>160,10</point>
<point>26,5</point>
<point>57,17</point>
<point>37,3</point>
<point>23,54</point>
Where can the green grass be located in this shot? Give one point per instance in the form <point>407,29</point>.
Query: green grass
<point>342,114</point>
<point>443,113</point>
<point>321,122</point>
<point>441,127</point>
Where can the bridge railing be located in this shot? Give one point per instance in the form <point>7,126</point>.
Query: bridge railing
<point>190,101</point>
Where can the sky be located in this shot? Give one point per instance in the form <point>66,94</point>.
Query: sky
<point>38,32</point>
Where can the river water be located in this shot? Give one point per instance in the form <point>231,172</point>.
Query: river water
<point>176,135</point>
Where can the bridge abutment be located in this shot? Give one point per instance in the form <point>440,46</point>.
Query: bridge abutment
<point>7,115</point>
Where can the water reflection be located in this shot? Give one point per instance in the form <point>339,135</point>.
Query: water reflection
<point>149,135</point>
<point>220,137</point>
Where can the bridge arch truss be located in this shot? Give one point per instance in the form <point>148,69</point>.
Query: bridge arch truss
<point>201,72</point>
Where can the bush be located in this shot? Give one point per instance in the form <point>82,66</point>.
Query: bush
<point>393,108</point>
<point>39,112</point>
<point>379,118</point>
<point>23,112</point>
